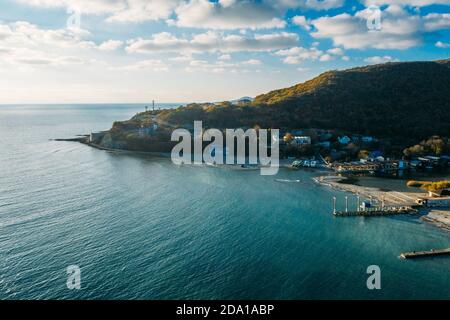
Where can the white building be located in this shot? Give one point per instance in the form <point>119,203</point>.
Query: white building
<point>301,140</point>
<point>96,137</point>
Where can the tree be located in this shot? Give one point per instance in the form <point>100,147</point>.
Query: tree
<point>436,186</point>
<point>363,154</point>
<point>288,137</point>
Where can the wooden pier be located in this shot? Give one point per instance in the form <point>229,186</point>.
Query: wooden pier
<point>376,212</point>
<point>369,210</point>
<point>422,254</point>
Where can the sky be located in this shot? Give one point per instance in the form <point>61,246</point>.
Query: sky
<point>136,51</point>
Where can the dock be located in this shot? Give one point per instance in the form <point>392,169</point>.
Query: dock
<point>367,209</point>
<point>421,254</point>
<point>376,212</point>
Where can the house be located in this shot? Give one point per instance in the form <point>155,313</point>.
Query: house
<point>402,164</point>
<point>365,205</point>
<point>146,131</point>
<point>301,140</point>
<point>344,140</point>
<point>429,162</point>
<point>96,137</point>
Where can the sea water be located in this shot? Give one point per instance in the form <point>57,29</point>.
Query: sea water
<point>140,227</point>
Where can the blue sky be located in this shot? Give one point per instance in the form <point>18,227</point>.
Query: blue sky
<point>81,51</point>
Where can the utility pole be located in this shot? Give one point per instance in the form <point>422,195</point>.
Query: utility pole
<point>334,205</point>
<point>153,104</point>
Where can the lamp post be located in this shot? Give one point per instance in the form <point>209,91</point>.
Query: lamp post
<point>334,205</point>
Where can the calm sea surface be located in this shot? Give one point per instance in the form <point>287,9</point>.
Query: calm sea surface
<point>142,228</point>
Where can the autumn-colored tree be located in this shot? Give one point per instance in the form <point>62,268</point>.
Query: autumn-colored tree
<point>363,154</point>
<point>288,137</point>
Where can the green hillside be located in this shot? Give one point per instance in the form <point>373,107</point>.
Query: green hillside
<point>398,100</point>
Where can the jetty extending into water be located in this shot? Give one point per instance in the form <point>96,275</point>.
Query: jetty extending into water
<point>370,209</point>
<point>377,212</point>
<point>422,254</point>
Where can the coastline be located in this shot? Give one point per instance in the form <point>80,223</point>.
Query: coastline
<point>83,139</point>
<point>439,217</point>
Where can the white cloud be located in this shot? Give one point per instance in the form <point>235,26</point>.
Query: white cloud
<point>308,4</point>
<point>379,59</point>
<point>253,62</point>
<point>144,10</point>
<point>323,4</point>
<point>336,51</point>
<point>25,33</point>
<point>213,67</point>
<point>24,43</point>
<point>5,32</point>
<point>326,57</point>
<point>212,42</point>
<point>117,10</point>
<point>441,44</point>
<point>155,65</point>
<point>296,55</point>
<point>219,15</point>
<point>224,57</point>
<point>83,6</point>
<point>413,3</point>
<point>399,30</point>
<point>218,65</point>
<point>182,58</point>
<point>436,21</point>
<point>302,22</point>
<point>110,45</point>
<point>227,14</point>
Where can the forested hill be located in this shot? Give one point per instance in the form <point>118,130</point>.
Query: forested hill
<point>405,99</point>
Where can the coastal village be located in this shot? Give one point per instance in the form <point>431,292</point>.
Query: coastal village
<point>340,155</point>
<point>360,155</point>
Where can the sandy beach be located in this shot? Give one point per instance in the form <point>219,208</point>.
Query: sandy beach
<point>439,217</point>
<point>394,198</point>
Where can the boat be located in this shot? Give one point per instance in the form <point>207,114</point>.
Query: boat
<point>287,180</point>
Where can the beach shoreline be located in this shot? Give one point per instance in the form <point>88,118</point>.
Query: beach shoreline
<point>439,217</point>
